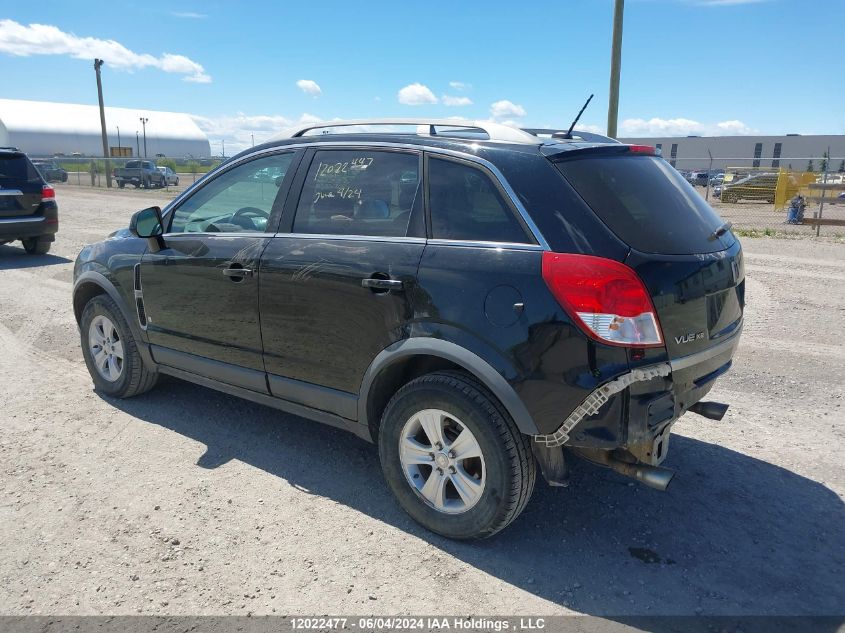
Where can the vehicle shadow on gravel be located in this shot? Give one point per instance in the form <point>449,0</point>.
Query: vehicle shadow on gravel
<point>733,535</point>
<point>12,257</point>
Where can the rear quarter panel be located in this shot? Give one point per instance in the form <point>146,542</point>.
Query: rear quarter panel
<point>467,294</point>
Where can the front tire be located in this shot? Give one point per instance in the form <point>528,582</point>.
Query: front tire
<point>454,458</point>
<point>111,352</point>
<point>36,246</point>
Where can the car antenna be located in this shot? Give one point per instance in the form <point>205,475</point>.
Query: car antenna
<point>572,127</point>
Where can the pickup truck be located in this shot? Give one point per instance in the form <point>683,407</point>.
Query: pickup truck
<point>141,173</point>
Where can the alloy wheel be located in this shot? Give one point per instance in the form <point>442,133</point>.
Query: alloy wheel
<point>442,461</point>
<point>106,348</point>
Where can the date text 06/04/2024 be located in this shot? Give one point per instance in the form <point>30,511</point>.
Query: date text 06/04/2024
<point>408,623</point>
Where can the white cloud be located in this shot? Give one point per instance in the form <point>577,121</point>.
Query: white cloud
<point>682,127</point>
<point>239,130</point>
<point>191,15</point>
<point>660,127</point>
<point>589,127</point>
<point>505,108</point>
<point>459,85</point>
<point>309,87</point>
<point>416,94</point>
<point>734,128</point>
<point>43,39</point>
<point>448,100</point>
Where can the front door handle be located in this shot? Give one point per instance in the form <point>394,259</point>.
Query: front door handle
<point>384,285</point>
<point>237,271</point>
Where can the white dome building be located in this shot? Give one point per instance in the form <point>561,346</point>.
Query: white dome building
<point>42,128</point>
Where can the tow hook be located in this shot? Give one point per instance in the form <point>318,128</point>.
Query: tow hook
<point>712,410</point>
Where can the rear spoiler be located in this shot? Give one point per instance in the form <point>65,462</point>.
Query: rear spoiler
<point>556,152</point>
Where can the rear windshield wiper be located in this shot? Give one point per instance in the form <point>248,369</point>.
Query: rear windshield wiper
<point>720,231</point>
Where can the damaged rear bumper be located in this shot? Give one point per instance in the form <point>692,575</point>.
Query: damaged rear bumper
<point>598,398</point>
<point>632,415</point>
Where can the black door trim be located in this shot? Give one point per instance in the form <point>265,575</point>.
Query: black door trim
<point>315,396</point>
<point>251,379</point>
<point>293,408</point>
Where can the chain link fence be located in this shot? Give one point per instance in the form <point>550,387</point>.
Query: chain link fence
<point>91,171</point>
<point>756,199</point>
<point>804,196</point>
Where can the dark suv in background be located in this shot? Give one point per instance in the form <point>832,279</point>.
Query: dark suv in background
<point>477,300</point>
<point>50,170</point>
<point>28,210</point>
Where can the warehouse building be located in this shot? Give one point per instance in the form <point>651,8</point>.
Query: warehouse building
<point>43,128</point>
<point>763,152</point>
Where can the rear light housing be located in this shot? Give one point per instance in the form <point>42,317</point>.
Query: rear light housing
<point>607,299</point>
<point>48,194</point>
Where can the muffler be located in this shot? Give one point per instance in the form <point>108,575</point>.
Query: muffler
<point>712,410</point>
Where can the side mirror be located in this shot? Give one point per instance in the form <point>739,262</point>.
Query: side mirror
<point>147,223</point>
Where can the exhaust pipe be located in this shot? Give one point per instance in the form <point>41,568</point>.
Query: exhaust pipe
<point>712,410</point>
<point>651,476</point>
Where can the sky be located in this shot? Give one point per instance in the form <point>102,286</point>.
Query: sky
<point>251,69</point>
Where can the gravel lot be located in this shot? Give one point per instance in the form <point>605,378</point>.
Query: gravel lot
<point>186,501</point>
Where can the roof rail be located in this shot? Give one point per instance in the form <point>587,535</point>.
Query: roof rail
<point>560,135</point>
<point>427,127</point>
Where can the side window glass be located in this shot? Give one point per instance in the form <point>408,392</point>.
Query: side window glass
<point>358,192</point>
<point>466,205</point>
<point>235,201</point>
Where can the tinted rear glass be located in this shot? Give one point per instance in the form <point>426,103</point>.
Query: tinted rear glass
<point>646,203</point>
<point>16,168</point>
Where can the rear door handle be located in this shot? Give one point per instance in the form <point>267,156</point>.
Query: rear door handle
<point>374,283</point>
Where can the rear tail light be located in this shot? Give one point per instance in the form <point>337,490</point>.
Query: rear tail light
<point>48,194</point>
<point>605,297</point>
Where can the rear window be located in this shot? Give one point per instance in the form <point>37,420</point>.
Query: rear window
<point>646,203</point>
<point>16,168</point>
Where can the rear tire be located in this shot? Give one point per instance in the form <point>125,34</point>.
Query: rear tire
<point>121,184</point>
<point>474,497</point>
<point>111,352</point>
<point>36,246</point>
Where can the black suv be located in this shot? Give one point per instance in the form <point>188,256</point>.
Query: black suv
<point>28,210</point>
<point>477,300</point>
<point>50,170</point>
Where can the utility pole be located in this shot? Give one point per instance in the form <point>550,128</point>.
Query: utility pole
<point>118,141</point>
<point>615,68</point>
<point>144,123</point>
<point>224,148</point>
<point>97,64</point>
<point>137,145</point>
<point>252,136</point>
